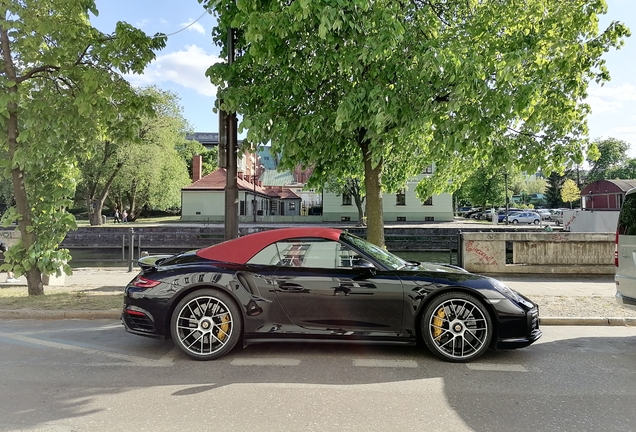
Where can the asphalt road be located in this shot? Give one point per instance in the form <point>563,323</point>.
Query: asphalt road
<point>78,375</point>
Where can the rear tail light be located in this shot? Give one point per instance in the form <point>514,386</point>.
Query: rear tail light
<point>142,282</point>
<point>616,250</point>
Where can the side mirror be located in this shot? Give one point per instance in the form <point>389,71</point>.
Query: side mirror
<point>362,264</point>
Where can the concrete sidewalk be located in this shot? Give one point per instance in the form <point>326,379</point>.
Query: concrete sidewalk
<point>566,300</point>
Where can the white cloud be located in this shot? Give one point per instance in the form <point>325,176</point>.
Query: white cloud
<point>193,26</point>
<point>185,68</point>
<point>610,98</point>
<point>141,24</point>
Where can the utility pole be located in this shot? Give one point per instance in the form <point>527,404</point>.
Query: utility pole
<point>227,121</point>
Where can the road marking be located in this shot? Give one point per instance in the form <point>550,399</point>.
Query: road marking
<point>385,363</point>
<point>496,367</point>
<point>129,360</point>
<point>265,362</point>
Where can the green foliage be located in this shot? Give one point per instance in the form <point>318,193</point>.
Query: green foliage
<point>626,170</point>
<point>611,153</point>
<point>154,171</point>
<point>187,149</point>
<point>570,192</point>
<point>459,83</point>
<point>62,86</point>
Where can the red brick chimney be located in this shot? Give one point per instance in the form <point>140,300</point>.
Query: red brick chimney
<point>197,164</point>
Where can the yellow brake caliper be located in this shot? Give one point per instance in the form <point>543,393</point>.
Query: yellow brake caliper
<point>437,323</point>
<point>224,327</point>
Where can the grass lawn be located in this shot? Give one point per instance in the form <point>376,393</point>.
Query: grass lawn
<point>18,298</point>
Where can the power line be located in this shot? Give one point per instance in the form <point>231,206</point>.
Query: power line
<point>186,27</point>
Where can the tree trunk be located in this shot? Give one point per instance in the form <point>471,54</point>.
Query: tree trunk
<point>34,276</point>
<point>373,184</point>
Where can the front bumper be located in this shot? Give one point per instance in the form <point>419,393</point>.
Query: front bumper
<point>532,333</point>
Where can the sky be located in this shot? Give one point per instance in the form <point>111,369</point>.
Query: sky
<point>180,67</point>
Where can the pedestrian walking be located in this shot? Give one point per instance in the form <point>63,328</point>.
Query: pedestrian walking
<point>124,216</point>
<point>10,276</point>
<point>116,216</point>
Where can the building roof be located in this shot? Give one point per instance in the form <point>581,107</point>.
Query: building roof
<point>275,178</point>
<point>608,186</point>
<point>216,180</point>
<point>288,194</point>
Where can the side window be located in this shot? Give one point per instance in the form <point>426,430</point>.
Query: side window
<point>627,216</point>
<point>346,257</point>
<point>307,253</point>
<point>267,256</point>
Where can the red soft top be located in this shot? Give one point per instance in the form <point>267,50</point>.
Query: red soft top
<point>240,250</point>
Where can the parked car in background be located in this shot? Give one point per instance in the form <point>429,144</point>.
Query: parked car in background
<point>502,216</point>
<point>525,217</point>
<point>557,217</point>
<point>545,214</point>
<point>625,253</point>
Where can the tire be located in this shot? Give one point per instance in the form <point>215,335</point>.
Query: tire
<point>515,221</point>
<point>536,222</point>
<point>456,327</point>
<point>206,324</point>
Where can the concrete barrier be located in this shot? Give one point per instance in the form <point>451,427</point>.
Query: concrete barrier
<point>554,253</point>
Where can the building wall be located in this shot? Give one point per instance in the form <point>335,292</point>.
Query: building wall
<point>202,205</point>
<point>413,210</point>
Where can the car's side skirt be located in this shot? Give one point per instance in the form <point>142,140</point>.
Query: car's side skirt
<point>257,339</point>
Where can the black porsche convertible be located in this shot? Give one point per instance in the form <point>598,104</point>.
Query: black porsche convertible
<point>321,284</point>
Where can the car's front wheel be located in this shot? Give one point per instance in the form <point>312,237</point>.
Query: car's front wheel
<point>206,324</point>
<point>456,327</point>
<point>515,221</point>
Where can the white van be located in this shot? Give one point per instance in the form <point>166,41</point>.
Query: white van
<point>625,252</point>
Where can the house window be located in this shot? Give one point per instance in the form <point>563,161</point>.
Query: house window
<point>292,206</point>
<point>428,201</point>
<point>242,208</point>
<point>346,199</point>
<point>400,198</point>
<point>274,207</point>
<point>428,170</point>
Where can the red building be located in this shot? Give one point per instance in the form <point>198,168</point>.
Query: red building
<point>606,194</point>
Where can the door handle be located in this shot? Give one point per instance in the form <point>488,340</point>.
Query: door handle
<point>288,286</point>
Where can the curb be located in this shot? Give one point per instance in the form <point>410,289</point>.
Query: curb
<point>91,315</point>
<point>588,321</point>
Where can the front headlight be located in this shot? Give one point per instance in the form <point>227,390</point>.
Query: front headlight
<point>503,289</point>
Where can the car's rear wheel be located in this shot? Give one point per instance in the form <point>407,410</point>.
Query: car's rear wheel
<point>456,327</point>
<point>536,221</point>
<point>206,324</point>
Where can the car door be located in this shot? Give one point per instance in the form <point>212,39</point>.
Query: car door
<point>320,288</point>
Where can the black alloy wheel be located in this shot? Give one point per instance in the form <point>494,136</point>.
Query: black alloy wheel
<point>456,327</point>
<point>206,324</point>
<point>536,221</point>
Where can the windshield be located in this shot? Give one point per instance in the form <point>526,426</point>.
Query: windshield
<point>382,256</point>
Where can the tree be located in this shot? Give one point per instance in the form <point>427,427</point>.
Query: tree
<point>611,152</point>
<point>160,133</point>
<point>352,187</point>
<point>155,171</point>
<point>187,149</point>
<point>62,84</point>
<point>625,171</point>
<point>413,83</point>
<point>570,192</point>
